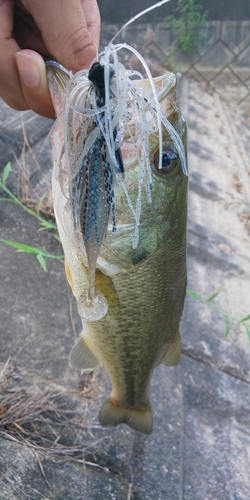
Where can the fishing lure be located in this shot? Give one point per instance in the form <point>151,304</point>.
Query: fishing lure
<point>103,105</point>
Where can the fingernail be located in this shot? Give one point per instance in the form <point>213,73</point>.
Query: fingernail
<point>28,70</point>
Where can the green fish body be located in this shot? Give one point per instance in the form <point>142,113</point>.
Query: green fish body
<point>144,286</point>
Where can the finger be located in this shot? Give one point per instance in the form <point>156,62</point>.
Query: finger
<point>10,87</point>
<point>92,16</point>
<point>26,32</point>
<point>33,77</point>
<point>64,30</point>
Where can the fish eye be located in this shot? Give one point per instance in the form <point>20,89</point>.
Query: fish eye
<point>168,161</point>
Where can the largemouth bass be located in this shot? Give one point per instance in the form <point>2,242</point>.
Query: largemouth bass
<point>126,268</point>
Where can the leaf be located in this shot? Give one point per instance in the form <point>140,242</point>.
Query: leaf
<point>38,208</point>
<point>42,262</point>
<point>228,326</point>
<point>247,318</point>
<point>168,19</point>
<point>47,225</point>
<point>212,297</point>
<point>57,238</point>
<point>248,332</point>
<point>193,294</point>
<point>21,247</point>
<point>50,256</point>
<point>6,172</point>
<point>16,200</point>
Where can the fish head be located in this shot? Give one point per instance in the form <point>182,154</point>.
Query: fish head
<point>168,184</point>
<point>165,214</point>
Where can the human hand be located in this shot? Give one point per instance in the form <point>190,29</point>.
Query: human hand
<point>67,30</point>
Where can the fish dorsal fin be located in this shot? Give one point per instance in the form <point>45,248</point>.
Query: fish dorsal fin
<point>173,354</point>
<point>81,355</point>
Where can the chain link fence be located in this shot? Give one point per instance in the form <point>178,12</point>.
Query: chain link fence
<point>221,59</point>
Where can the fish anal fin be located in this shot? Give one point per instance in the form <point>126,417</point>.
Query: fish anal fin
<point>81,355</point>
<point>139,419</point>
<point>172,356</point>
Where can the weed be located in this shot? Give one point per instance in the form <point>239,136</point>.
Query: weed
<point>229,318</point>
<point>42,254</point>
<point>29,195</point>
<point>45,224</point>
<point>188,18</point>
<point>44,420</point>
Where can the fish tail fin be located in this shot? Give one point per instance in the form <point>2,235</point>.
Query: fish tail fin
<point>139,419</point>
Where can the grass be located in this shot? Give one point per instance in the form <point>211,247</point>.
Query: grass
<point>38,197</point>
<point>40,254</point>
<point>189,17</point>
<point>45,224</point>
<point>229,318</point>
<point>45,421</point>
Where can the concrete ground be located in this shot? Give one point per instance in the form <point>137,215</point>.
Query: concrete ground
<point>200,445</point>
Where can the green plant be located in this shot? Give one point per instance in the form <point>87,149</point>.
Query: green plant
<point>45,224</point>
<point>42,254</point>
<point>189,17</point>
<point>229,318</point>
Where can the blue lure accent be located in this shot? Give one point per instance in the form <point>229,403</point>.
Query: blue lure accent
<point>92,201</point>
<point>94,181</point>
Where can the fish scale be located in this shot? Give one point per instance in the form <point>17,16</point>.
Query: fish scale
<point>145,286</point>
<point>155,320</point>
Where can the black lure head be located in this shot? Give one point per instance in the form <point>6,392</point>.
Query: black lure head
<point>96,75</point>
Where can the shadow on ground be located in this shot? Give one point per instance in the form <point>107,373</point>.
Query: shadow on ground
<point>200,445</point>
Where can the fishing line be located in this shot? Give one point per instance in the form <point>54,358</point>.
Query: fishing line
<point>158,4</point>
<point>100,104</point>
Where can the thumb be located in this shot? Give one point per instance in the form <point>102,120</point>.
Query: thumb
<point>33,79</point>
<point>70,29</point>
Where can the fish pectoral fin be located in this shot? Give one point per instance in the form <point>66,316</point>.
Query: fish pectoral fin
<point>139,419</point>
<point>81,356</point>
<point>173,354</point>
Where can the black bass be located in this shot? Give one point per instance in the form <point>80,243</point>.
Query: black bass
<point>120,199</point>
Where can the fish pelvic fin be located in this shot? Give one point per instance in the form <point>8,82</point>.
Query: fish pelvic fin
<point>174,352</point>
<point>139,419</point>
<point>81,355</point>
<point>69,275</point>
